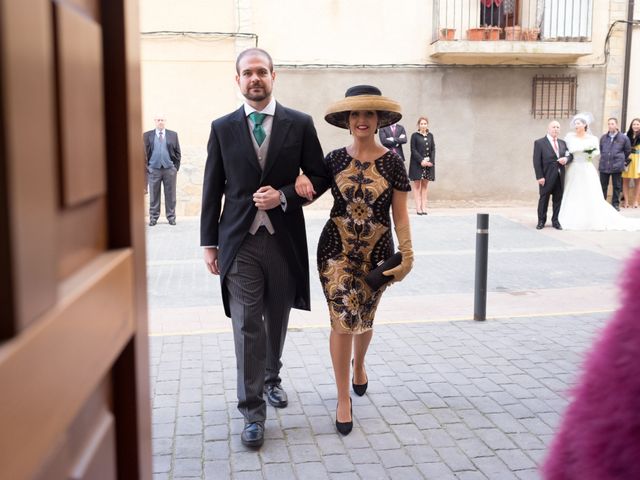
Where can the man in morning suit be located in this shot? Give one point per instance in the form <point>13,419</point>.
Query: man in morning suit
<point>257,242</point>
<point>550,155</point>
<point>393,137</point>
<point>162,154</point>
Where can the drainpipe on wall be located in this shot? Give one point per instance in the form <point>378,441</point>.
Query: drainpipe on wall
<point>627,65</point>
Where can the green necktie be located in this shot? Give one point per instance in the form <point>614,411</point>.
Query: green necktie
<point>258,132</point>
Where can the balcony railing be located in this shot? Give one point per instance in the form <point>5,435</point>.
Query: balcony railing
<point>513,20</point>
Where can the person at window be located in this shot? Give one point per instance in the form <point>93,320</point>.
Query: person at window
<point>491,12</point>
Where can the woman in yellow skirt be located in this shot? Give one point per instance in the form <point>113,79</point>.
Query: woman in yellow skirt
<point>632,170</point>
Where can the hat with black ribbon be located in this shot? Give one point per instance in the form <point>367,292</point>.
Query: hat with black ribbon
<point>362,98</point>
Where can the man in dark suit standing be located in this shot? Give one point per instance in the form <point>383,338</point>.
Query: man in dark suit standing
<point>550,155</point>
<point>393,137</point>
<point>162,152</point>
<point>257,242</point>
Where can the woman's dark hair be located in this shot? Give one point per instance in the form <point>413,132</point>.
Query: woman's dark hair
<point>633,139</point>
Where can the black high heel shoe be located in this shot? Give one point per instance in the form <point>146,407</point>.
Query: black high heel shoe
<point>360,390</point>
<point>345,427</point>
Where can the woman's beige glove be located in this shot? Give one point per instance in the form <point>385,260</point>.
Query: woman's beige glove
<point>403,233</point>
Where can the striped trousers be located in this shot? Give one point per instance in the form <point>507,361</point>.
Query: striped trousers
<point>261,293</point>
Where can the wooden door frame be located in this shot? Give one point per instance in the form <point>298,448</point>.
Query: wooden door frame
<point>42,315</point>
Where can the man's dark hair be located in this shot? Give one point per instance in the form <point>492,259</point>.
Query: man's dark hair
<point>253,51</point>
<point>613,118</point>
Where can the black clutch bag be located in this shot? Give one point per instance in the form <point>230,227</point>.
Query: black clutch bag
<point>375,279</point>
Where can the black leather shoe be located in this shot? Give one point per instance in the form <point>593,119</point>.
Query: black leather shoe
<point>252,435</point>
<point>345,427</point>
<point>361,389</point>
<point>557,226</point>
<point>539,226</point>
<point>276,396</point>
<point>152,222</point>
<point>172,222</point>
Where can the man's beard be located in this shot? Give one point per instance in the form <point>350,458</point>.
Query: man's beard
<point>257,97</point>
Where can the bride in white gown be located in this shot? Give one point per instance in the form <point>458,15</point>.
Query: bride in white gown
<point>583,207</point>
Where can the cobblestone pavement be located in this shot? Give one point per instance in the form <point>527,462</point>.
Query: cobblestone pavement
<point>452,400</point>
<point>446,399</point>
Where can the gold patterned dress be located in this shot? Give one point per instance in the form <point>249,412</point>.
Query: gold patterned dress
<point>357,235</point>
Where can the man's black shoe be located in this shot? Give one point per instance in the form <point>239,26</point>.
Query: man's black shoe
<point>152,222</point>
<point>540,226</point>
<point>276,396</point>
<point>172,222</point>
<point>253,435</point>
<point>557,225</point>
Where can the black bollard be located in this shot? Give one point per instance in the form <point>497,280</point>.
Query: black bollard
<point>482,251</point>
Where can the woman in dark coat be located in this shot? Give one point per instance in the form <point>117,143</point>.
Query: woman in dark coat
<point>422,166</point>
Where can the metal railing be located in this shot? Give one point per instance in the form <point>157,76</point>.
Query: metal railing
<point>514,20</point>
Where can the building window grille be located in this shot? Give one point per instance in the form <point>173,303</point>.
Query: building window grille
<point>554,96</point>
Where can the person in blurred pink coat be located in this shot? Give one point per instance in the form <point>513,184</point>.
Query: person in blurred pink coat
<point>599,436</point>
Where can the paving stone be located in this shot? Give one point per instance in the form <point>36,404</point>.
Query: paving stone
<point>455,458</point>
<point>471,475</point>
<point>162,430</point>
<point>515,459</point>
<point>493,467</point>
<point>311,471</point>
<point>361,456</point>
<point>243,461</point>
<point>422,454</point>
<point>408,434</point>
<point>439,437</point>
<point>494,438</point>
<point>383,441</point>
<point>216,470</point>
<point>161,463</point>
<point>330,445</point>
<point>338,463</point>
<point>162,446</point>
<point>474,447</point>
<point>187,467</point>
<point>279,471</point>
<point>163,415</point>
<point>190,409</point>
<point>403,473</point>
<point>394,458</point>
<point>218,450</point>
<point>436,470</point>
<point>188,446</point>
<point>304,453</point>
<point>372,471</point>
<point>374,426</point>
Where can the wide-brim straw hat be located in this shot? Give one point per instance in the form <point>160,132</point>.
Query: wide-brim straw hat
<point>364,97</point>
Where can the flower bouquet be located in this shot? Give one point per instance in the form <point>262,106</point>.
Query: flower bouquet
<point>589,152</point>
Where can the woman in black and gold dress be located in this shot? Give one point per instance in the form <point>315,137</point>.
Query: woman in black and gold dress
<point>368,182</point>
<point>422,165</point>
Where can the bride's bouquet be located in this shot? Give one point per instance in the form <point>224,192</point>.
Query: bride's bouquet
<point>589,152</point>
